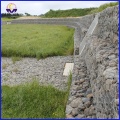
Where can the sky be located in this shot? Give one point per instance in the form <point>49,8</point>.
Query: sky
<point>41,7</point>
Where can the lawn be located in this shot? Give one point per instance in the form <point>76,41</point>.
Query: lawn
<point>34,101</point>
<point>36,40</point>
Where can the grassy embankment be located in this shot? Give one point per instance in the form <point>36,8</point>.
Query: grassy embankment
<point>34,101</point>
<point>38,41</point>
<point>77,12</point>
<point>104,6</point>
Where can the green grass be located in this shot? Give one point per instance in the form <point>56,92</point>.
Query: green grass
<point>77,12</point>
<point>67,13</point>
<point>104,6</point>
<point>6,19</point>
<point>14,59</point>
<point>34,101</point>
<point>41,41</point>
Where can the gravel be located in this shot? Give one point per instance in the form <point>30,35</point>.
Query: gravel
<point>46,71</point>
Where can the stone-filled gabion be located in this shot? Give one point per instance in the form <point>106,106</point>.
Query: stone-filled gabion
<point>94,88</point>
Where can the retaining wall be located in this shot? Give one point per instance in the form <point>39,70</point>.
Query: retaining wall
<point>3,22</point>
<point>101,58</point>
<point>98,71</point>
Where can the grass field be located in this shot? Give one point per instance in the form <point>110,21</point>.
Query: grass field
<point>34,101</point>
<point>30,40</point>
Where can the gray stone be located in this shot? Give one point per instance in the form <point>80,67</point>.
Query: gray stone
<point>90,96</point>
<point>108,84</point>
<point>81,81</point>
<point>87,104</point>
<point>75,102</point>
<point>111,56</point>
<point>81,106</point>
<point>80,116</point>
<point>82,74</point>
<point>89,90</point>
<point>85,100</point>
<point>112,63</point>
<point>117,101</point>
<point>86,111</point>
<point>94,116</point>
<point>69,116</point>
<point>71,98</point>
<point>77,51</point>
<point>85,85</point>
<point>77,82</point>
<point>110,72</point>
<point>80,95</point>
<point>92,111</point>
<point>89,117</point>
<point>81,91</point>
<point>73,93</point>
<point>74,112</point>
<point>78,88</point>
<point>68,109</point>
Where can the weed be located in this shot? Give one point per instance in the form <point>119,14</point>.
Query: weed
<point>4,66</point>
<point>15,70</point>
<point>14,59</point>
<point>6,77</point>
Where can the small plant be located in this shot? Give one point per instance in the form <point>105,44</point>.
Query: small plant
<point>4,66</point>
<point>14,59</point>
<point>69,85</point>
<point>6,77</point>
<point>15,70</point>
<point>69,81</point>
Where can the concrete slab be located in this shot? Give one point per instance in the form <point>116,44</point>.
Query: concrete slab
<point>68,68</point>
<point>89,32</point>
